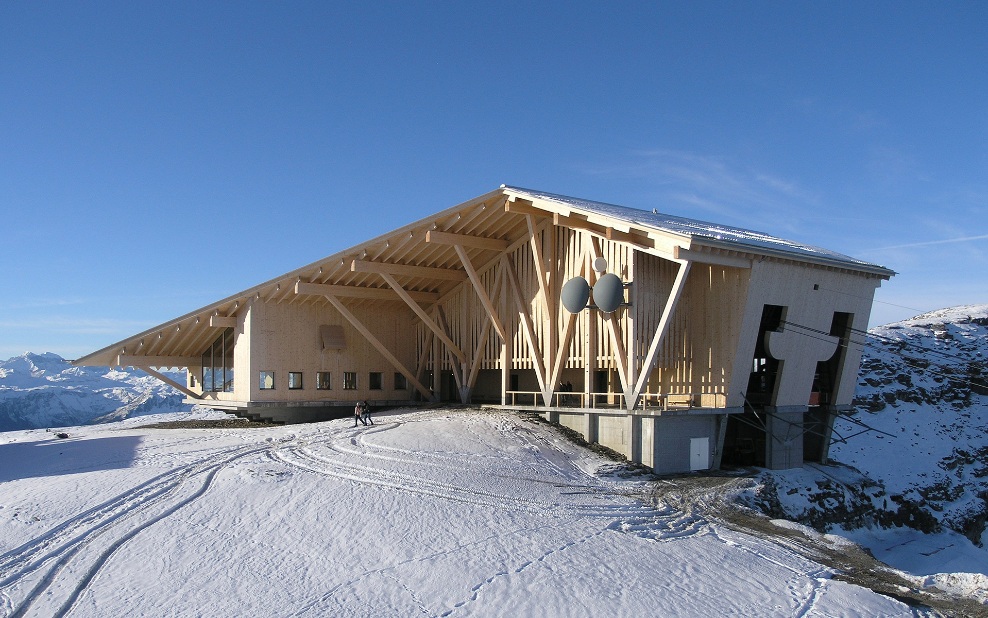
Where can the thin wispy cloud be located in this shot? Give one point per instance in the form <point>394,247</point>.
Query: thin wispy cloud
<point>41,303</point>
<point>928,243</point>
<point>70,325</point>
<point>706,186</point>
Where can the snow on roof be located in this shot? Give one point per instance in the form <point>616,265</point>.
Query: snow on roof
<point>701,230</point>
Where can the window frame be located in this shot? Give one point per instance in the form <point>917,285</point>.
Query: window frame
<point>401,382</point>
<point>260,380</point>
<point>375,381</point>
<point>329,380</point>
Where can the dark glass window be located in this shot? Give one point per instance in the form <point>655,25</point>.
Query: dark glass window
<point>294,380</point>
<point>349,380</point>
<point>401,382</point>
<point>217,364</point>
<point>375,381</point>
<point>324,380</point>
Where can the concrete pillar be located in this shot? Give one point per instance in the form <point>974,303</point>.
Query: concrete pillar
<point>635,433</point>
<point>718,454</point>
<point>784,437</point>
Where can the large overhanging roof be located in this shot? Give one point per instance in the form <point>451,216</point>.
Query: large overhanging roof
<point>712,234</point>
<point>425,261</point>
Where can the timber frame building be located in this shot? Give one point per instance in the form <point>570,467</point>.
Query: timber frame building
<point>726,345</point>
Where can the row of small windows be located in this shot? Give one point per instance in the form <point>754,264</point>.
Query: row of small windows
<point>324,381</point>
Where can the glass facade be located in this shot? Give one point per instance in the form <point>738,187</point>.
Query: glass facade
<point>217,365</point>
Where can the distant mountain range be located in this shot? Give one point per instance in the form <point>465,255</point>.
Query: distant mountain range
<point>45,390</point>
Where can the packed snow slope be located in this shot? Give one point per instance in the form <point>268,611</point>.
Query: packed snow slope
<point>431,513</point>
<point>45,390</point>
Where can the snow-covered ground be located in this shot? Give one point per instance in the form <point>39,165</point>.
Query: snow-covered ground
<point>432,513</point>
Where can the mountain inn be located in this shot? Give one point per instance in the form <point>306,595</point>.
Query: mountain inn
<point>682,344</point>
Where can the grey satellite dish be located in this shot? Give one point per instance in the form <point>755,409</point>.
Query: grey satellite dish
<point>576,294</point>
<point>608,293</point>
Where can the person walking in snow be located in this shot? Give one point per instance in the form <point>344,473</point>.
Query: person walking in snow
<point>358,413</point>
<point>365,417</point>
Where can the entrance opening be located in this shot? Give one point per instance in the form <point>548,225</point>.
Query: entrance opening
<point>744,442</point>
<point>449,393</point>
<point>825,382</point>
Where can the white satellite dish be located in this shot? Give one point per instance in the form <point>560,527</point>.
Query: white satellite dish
<point>600,265</point>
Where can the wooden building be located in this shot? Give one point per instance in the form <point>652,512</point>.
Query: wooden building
<point>710,343</point>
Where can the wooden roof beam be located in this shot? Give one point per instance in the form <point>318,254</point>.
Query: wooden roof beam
<point>172,383</point>
<point>191,332</point>
<point>222,321</point>
<point>379,346</point>
<point>132,360</point>
<point>464,240</point>
<point>478,287</point>
<point>604,231</point>
<point>405,270</point>
<point>321,289</point>
<point>455,349</point>
<point>703,257</point>
<point>525,208</point>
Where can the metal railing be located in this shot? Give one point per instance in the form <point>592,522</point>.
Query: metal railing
<point>611,400</point>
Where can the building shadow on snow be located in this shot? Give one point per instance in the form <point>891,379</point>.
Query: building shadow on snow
<point>55,457</point>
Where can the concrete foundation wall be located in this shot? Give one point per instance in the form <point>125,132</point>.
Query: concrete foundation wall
<point>671,444</point>
<point>614,432</point>
<point>661,443</point>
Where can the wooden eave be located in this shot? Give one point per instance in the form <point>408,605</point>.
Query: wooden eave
<point>670,244</point>
<point>496,219</point>
<point>186,337</point>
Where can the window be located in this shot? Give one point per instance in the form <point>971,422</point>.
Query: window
<point>349,380</point>
<point>217,364</point>
<point>324,381</point>
<point>267,380</point>
<point>375,381</point>
<point>294,380</point>
<point>401,382</point>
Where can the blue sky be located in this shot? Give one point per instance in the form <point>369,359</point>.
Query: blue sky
<point>158,156</point>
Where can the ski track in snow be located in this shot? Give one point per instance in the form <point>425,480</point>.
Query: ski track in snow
<point>476,590</point>
<point>349,457</point>
<point>59,565</point>
<point>49,575</point>
<point>797,566</point>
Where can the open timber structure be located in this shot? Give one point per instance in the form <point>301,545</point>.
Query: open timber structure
<point>709,344</point>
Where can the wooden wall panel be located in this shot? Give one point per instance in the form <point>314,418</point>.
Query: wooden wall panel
<point>286,338</point>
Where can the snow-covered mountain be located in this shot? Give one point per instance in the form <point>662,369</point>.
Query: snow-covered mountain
<point>45,390</point>
<point>915,452</point>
